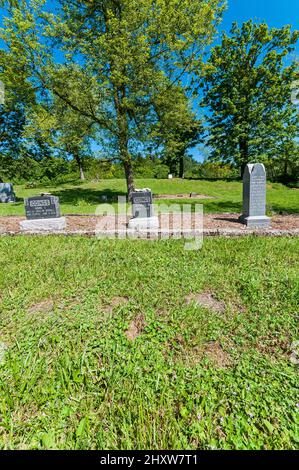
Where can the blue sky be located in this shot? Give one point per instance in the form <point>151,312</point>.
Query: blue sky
<point>275,13</point>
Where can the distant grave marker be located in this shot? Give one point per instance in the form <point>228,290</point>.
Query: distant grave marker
<point>7,193</point>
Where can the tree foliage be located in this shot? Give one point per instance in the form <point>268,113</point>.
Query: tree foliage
<point>248,87</point>
<point>18,95</point>
<point>177,129</point>
<point>128,47</point>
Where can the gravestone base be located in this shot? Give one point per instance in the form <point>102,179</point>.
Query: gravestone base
<point>255,221</point>
<point>43,225</point>
<point>141,223</point>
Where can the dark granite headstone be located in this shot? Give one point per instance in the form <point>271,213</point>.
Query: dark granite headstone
<point>254,196</point>
<point>142,202</point>
<point>7,193</point>
<point>42,207</point>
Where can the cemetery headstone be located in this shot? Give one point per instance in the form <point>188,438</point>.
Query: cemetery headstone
<point>143,210</point>
<point>254,197</point>
<point>43,214</point>
<point>170,176</point>
<point>7,193</point>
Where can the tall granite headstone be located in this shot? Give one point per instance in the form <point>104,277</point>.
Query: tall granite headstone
<point>143,211</point>
<point>254,197</point>
<point>43,214</point>
<point>7,193</point>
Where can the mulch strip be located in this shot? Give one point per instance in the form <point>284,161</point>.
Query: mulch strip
<point>214,225</point>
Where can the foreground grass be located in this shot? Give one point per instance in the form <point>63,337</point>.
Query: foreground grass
<point>225,196</point>
<point>102,350</point>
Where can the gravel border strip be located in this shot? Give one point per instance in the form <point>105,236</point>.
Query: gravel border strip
<point>154,235</point>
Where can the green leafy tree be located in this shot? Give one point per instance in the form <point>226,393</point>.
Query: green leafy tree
<point>74,136</point>
<point>17,96</point>
<point>12,3</point>
<point>248,87</point>
<point>127,47</point>
<point>48,125</point>
<point>177,128</point>
<point>62,129</point>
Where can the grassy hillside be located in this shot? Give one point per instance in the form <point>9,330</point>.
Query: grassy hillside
<point>224,196</point>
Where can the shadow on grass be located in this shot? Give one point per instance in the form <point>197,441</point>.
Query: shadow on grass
<point>19,201</point>
<point>237,207</point>
<point>89,196</point>
<point>282,210</point>
<point>79,195</point>
<point>223,206</point>
<point>208,206</point>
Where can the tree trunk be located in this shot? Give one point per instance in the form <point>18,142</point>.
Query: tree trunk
<point>123,139</point>
<point>126,158</point>
<point>243,167</point>
<point>286,168</point>
<point>244,151</point>
<point>172,167</point>
<point>80,165</point>
<point>82,176</point>
<point>129,178</point>
<point>181,166</point>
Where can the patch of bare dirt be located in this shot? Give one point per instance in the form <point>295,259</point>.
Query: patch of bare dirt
<point>135,328</point>
<point>114,303</point>
<point>46,306</point>
<point>274,346</point>
<point>117,301</point>
<point>206,300</point>
<point>217,355</point>
<point>162,312</point>
<point>196,354</point>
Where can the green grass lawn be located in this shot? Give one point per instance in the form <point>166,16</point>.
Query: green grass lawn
<point>225,196</point>
<point>73,377</point>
